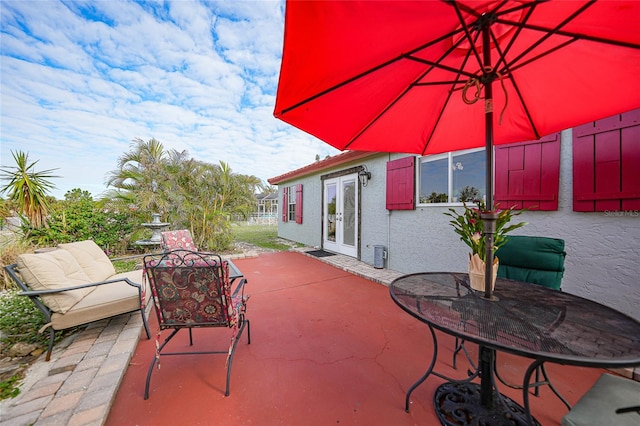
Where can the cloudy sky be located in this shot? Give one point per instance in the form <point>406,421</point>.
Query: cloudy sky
<point>81,79</point>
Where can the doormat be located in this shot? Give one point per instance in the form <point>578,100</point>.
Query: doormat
<point>319,253</point>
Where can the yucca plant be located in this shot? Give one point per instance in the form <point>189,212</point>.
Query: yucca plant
<point>28,188</point>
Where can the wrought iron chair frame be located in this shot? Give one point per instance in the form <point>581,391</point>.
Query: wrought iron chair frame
<point>36,298</point>
<point>182,258</point>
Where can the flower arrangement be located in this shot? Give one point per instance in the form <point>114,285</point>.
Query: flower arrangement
<point>470,227</point>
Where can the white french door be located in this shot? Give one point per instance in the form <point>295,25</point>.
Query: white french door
<point>340,215</point>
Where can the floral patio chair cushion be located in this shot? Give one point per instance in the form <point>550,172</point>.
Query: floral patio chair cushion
<point>193,293</point>
<point>180,239</point>
<point>188,296</point>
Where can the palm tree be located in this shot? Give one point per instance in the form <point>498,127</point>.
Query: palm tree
<point>188,193</point>
<point>28,188</point>
<point>139,176</point>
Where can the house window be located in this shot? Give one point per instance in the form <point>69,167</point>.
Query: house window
<point>291,204</point>
<point>453,177</point>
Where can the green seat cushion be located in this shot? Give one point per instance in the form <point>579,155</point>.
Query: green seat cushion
<point>538,260</point>
<point>598,406</point>
<point>550,279</point>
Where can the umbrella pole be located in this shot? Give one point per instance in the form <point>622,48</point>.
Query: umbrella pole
<point>489,216</point>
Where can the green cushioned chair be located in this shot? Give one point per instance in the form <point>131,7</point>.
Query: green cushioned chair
<point>538,260</point>
<point>613,400</point>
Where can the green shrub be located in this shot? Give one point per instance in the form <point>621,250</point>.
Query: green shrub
<point>20,320</point>
<point>9,388</point>
<point>9,249</point>
<point>80,218</point>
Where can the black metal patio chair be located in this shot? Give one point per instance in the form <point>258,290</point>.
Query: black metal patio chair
<point>193,290</point>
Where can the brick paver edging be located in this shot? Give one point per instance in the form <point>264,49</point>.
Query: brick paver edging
<point>78,385</point>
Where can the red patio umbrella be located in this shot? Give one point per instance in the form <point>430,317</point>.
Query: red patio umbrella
<point>428,77</point>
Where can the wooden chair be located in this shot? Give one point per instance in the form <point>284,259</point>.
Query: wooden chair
<point>193,290</point>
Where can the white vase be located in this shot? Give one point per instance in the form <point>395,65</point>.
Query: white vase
<point>476,272</point>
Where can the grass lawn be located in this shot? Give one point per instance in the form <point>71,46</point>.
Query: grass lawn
<point>265,236</point>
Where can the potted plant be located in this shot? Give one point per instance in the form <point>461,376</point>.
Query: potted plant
<point>469,226</point>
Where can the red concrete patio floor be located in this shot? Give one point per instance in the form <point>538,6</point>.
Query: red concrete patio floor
<point>327,348</point>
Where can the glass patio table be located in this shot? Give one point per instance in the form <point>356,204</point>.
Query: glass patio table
<point>525,319</point>
<point>234,272</point>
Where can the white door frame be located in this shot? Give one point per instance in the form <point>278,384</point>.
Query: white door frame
<point>340,214</point>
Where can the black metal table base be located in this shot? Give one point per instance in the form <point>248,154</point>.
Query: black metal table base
<point>459,404</point>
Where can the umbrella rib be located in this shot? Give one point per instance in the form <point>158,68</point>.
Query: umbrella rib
<point>495,10</point>
<point>557,30</point>
<point>502,55</point>
<point>369,71</point>
<point>416,83</point>
<point>409,54</point>
<point>437,64</point>
<point>339,85</point>
<point>456,71</point>
<point>547,32</point>
<point>535,58</point>
<point>377,117</point>
<point>438,83</point>
<point>525,107</point>
<point>433,128</point>
<point>435,41</point>
<point>387,108</point>
<point>440,66</point>
<point>467,33</point>
<point>509,68</point>
<point>579,36</point>
<point>495,13</point>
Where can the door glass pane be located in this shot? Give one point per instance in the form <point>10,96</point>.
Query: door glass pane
<point>349,213</point>
<point>331,211</point>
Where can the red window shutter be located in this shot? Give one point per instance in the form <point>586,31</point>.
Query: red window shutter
<point>630,154</point>
<point>401,184</point>
<point>299,203</point>
<point>606,154</point>
<point>527,174</point>
<point>285,203</point>
<point>583,169</point>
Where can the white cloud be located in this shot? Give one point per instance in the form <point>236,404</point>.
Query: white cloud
<point>82,80</point>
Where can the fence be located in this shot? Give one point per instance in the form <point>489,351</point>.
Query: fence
<point>258,219</point>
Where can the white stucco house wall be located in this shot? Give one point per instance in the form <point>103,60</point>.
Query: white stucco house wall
<point>602,241</point>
